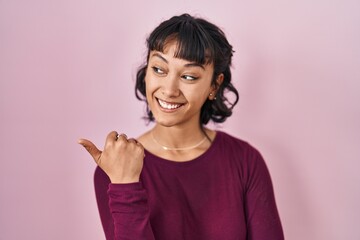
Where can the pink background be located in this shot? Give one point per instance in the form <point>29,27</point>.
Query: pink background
<point>67,71</point>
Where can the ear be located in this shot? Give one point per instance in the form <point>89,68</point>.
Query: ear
<point>215,86</point>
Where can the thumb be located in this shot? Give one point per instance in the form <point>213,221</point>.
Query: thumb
<point>91,148</point>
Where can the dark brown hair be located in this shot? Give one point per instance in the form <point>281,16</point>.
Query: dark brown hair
<point>198,41</point>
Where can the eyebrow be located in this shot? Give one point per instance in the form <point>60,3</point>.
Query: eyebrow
<point>191,64</point>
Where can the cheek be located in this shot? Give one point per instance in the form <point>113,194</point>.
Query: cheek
<point>148,90</point>
<point>150,87</point>
<point>197,95</point>
<point>147,83</point>
<point>152,83</point>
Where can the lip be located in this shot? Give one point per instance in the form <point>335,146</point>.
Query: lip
<point>168,106</point>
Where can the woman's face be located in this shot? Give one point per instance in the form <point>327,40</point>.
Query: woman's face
<point>176,88</point>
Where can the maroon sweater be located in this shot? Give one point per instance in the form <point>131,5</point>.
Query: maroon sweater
<point>224,194</point>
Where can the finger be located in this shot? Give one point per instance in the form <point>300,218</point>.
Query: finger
<point>91,148</point>
<point>122,137</point>
<point>111,137</point>
<point>132,140</point>
<point>139,145</point>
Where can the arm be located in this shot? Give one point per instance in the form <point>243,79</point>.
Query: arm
<point>123,208</point>
<point>101,183</point>
<point>121,162</point>
<point>261,211</point>
<point>129,209</point>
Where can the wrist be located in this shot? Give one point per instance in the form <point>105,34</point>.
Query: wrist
<point>121,180</point>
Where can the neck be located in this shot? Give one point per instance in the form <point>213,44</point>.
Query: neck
<point>178,138</point>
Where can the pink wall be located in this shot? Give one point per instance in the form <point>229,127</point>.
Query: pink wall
<point>67,68</point>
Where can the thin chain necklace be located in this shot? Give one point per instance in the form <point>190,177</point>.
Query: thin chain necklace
<point>174,148</point>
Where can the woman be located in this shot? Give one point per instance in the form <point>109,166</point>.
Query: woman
<point>181,180</point>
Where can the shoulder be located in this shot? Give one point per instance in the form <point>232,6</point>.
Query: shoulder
<point>238,150</point>
<point>229,141</point>
<point>246,157</point>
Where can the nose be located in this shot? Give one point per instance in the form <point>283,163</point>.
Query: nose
<point>170,86</point>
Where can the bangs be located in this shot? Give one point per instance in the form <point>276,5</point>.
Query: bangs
<point>193,42</point>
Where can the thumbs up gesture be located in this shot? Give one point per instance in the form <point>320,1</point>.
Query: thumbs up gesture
<point>122,158</point>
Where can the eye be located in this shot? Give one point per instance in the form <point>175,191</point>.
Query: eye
<point>158,70</point>
<point>189,77</point>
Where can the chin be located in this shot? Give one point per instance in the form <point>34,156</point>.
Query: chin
<point>166,123</point>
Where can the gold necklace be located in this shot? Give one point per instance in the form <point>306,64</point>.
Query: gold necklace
<point>177,149</point>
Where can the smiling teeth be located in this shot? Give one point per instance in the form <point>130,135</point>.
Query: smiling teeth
<point>167,105</point>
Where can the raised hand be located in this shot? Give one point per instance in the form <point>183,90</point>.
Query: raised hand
<point>122,159</point>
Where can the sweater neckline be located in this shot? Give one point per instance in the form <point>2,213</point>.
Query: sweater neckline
<point>152,157</point>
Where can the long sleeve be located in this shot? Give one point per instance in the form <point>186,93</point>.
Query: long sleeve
<point>262,214</point>
<point>123,209</point>
<point>130,212</point>
<point>225,193</point>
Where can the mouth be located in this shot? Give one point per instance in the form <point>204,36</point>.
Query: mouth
<point>170,106</point>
